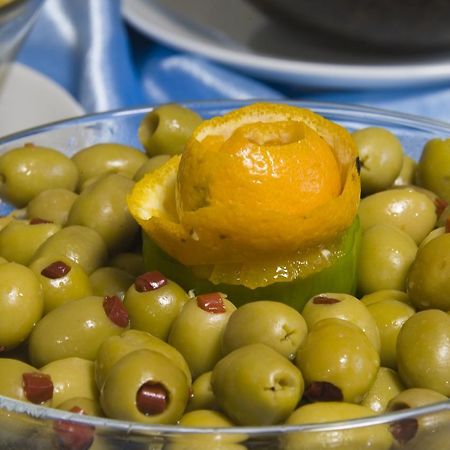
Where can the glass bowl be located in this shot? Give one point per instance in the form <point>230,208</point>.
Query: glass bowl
<point>16,20</point>
<point>27,426</point>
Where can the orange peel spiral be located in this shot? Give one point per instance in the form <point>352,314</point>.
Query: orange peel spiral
<point>264,180</point>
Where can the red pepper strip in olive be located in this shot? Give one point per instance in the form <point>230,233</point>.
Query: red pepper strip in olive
<point>440,205</point>
<point>323,391</point>
<point>77,409</point>
<point>404,430</point>
<point>447,225</point>
<point>38,220</point>
<point>150,281</point>
<point>56,270</point>
<point>73,436</point>
<point>212,303</point>
<point>322,300</point>
<point>38,387</point>
<point>152,399</point>
<point>116,311</point>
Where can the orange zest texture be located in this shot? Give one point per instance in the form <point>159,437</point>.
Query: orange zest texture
<point>262,181</point>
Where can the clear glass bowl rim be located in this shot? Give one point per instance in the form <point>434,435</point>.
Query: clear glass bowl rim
<point>343,112</point>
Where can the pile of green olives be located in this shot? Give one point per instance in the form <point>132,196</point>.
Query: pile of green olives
<point>85,328</point>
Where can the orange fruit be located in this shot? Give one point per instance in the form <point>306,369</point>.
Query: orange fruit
<point>264,181</point>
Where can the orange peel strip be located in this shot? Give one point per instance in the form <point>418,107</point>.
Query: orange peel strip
<point>206,227</point>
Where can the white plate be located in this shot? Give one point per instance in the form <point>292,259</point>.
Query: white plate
<point>28,99</point>
<point>236,34</point>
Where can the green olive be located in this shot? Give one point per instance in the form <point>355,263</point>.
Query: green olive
<point>76,328</point>
<point>338,353</point>
<point>62,280</point>
<point>407,173</point>
<point>385,294</point>
<point>415,398</point>
<point>255,385</point>
<point>345,307</point>
<point>20,239</point>
<point>375,437</point>
<point>78,243</point>
<point>206,419</point>
<point>107,158</point>
<point>423,351</point>
<point>385,258</point>
<point>88,183</point>
<point>438,202</point>
<point>406,208</point>
<point>103,208</point>
<point>21,303</point>
<point>166,128</point>
<point>115,348</point>
<point>5,220</point>
<point>129,262</point>
<point>428,431</point>
<point>432,234</point>
<point>428,283</point>
<point>433,171</point>
<point>110,281</point>
<point>197,331</point>
<point>150,165</point>
<point>153,303</point>
<point>444,217</point>
<point>14,384</point>
<point>386,386</point>
<point>69,433</point>
<point>29,170</point>
<point>145,386</point>
<point>381,156</point>
<point>72,377</point>
<point>52,205</point>
<point>202,395</point>
<point>82,405</point>
<point>389,315</point>
<point>272,323</point>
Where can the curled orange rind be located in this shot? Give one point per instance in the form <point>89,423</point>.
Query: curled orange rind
<point>264,180</point>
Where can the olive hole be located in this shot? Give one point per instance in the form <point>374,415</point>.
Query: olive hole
<point>280,383</point>
<point>323,391</point>
<point>148,127</point>
<point>404,430</point>
<point>152,398</point>
<point>323,300</point>
<point>399,406</point>
<point>152,123</point>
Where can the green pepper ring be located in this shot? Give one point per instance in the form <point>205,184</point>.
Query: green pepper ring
<point>341,276</point>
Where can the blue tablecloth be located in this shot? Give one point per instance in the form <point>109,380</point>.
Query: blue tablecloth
<point>86,46</point>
